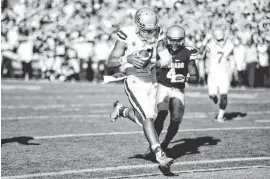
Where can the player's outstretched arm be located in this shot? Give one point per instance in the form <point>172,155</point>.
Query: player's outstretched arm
<point>193,72</point>
<point>118,51</point>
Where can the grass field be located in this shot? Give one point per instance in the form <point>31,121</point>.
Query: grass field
<point>62,130</point>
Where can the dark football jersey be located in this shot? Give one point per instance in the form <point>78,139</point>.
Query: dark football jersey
<point>179,65</point>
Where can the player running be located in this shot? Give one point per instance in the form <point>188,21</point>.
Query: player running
<point>136,49</point>
<point>218,51</point>
<point>171,82</point>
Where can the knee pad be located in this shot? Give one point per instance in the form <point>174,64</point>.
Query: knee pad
<point>214,98</point>
<point>223,101</point>
<point>177,113</point>
<point>177,117</point>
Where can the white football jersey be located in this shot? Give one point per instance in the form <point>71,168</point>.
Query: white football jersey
<point>129,36</point>
<point>218,54</point>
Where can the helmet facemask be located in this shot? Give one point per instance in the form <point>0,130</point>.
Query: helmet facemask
<point>175,38</point>
<point>175,43</point>
<point>147,34</point>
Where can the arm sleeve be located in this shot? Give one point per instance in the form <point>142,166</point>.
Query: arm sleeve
<point>165,58</point>
<point>122,35</point>
<point>193,72</point>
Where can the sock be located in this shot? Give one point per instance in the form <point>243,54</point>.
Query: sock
<point>171,131</point>
<point>157,150</point>
<point>159,122</point>
<point>221,113</point>
<point>123,111</point>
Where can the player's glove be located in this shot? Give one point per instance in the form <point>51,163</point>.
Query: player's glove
<point>137,60</point>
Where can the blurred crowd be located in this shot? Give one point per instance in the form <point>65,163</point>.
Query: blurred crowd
<point>71,39</point>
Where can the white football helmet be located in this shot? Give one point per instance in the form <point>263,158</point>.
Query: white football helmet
<point>219,34</point>
<point>146,21</point>
<point>175,37</point>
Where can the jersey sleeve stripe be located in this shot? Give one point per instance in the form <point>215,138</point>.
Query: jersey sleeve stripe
<point>122,33</point>
<point>193,57</point>
<point>121,37</point>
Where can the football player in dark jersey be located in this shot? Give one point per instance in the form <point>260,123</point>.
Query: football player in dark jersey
<point>171,82</point>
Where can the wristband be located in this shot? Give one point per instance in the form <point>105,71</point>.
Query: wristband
<point>122,60</point>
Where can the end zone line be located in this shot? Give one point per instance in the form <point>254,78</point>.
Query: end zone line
<point>192,171</point>
<point>141,132</point>
<point>69,172</point>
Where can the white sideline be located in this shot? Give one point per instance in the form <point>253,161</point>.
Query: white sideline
<point>193,171</point>
<point>140,132</point>
<point>187,115</point>
<point>262,121</point>
<point>69,172</point>
<point>49,106</point>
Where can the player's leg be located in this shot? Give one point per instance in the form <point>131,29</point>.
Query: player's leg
<point>162,107</point>
<point>159,122</point>
<point>212,88</point>
<point>121,111</point>
<point>177,108</point>
<point>223,87</point>
<point>142,101</point>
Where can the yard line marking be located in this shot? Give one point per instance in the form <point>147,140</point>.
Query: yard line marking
<point>83,94</point>
<point>140,132</point>
<point>187,115</point>
<point>56,106</point>
<point>21,87</point>
<point>55,116</point>
<point>191,171</point>
<point>69,172</point>
<point>262,121</point>
<point>49,106</point>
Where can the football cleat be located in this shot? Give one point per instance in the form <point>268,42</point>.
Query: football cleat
<point>163,160</point>
<point>115,114</point>
<point>219,119</point>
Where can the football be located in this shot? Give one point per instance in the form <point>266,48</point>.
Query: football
<point>143,54</point>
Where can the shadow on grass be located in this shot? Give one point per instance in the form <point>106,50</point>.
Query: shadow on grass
<point>231,115</point>
<point>185,147</point>
<point>190,146</point>
<point>24,140</point>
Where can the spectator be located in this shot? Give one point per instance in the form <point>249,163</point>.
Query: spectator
<point>252,61</point>
<point>264,63</point>
<point>239,53</point>
<point>25,53</point>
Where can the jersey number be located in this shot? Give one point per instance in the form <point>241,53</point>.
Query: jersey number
<point>175,78</point>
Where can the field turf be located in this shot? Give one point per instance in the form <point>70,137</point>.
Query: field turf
<point>62,130</point>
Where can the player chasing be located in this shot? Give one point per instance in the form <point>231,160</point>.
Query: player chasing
<point>136,49</point>
<point>171,82</point>
<point>218,51</point>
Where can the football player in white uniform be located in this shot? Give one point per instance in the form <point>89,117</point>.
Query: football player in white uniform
<point>218,51</point>
<point>136,48</point>
<point>171,82</point>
